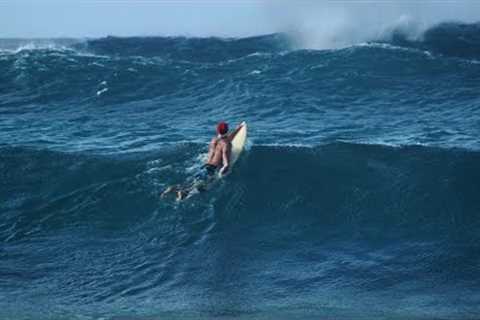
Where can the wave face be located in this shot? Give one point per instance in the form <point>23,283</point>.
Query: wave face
<point>357,196</point>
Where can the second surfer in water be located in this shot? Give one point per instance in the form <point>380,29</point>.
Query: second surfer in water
<point>218,159</point>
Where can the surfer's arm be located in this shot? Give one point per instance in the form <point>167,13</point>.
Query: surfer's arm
<point>211,150</point>
<point>225,158</point>
<point>232,135</point>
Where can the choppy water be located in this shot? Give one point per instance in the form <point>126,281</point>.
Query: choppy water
<point>358,196</point>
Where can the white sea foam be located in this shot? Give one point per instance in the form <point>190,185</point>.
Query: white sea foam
<point>102,91</point>
<point>388,46</point>
<point>32,46</point>
<point>55,49</point>
<point>334,25</point>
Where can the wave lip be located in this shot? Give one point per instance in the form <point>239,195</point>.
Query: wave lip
<point>449,39</point>
<point>187,49</point>
<point>18,45</point>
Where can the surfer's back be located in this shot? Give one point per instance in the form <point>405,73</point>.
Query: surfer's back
<point>219,146</point>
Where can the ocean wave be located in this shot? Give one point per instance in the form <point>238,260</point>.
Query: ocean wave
<point>359,182</point>
<point>353,186</point>
<point>447,38</point>
<point>188,49</point>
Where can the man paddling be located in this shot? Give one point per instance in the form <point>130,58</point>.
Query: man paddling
<point>218,160</point>
<point>219,150</point>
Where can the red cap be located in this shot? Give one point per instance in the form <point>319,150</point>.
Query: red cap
<point>222,128</point>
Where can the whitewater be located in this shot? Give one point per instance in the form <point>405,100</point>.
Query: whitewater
<point>357,196</point>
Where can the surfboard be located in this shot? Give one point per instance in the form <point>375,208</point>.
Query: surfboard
<point>238,143</point>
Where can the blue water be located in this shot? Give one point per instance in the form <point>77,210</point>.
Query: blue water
<point>357,197</point>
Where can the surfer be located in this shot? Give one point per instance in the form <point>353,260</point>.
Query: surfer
<point>219,150</point>
<point>218,160</point>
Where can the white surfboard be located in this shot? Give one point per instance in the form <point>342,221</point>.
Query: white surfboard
<point>238,144</point>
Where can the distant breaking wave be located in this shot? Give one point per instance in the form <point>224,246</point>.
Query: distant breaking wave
<point>450,39</point>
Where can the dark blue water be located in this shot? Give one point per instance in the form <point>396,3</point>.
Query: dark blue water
<point>358,196</point>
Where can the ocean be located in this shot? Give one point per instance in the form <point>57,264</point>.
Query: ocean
<point>358,195</point>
